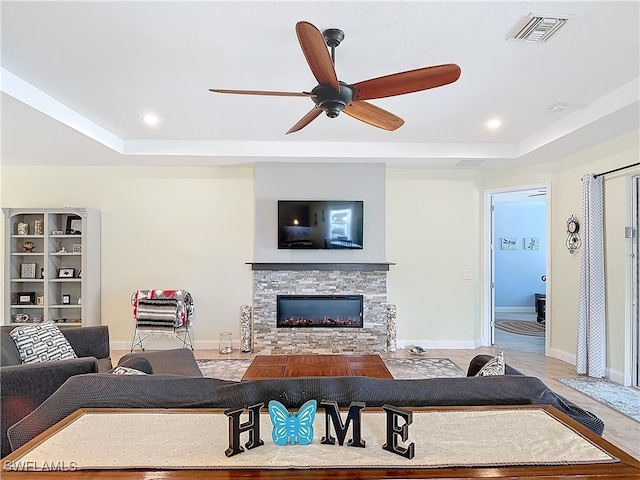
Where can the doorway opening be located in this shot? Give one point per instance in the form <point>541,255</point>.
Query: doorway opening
<point>517,262</point>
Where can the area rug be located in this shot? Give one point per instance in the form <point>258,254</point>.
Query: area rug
<point>626,400</point>
<point>400,368</point>
<point>521,327</point>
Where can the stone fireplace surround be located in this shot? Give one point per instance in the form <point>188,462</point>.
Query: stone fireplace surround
<point>368,280</point>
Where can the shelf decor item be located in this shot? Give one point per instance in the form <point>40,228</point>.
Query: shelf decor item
<point>74,225</point>
<point>66,299</point>
<point>26,298</point>
<point>38,227</point>
<point>23,228</point>
<point>27,270</point>
<point>28,246</point>
<point>66,272</point>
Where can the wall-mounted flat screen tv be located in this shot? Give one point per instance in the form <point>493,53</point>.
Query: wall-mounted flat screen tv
<point>320,224</point>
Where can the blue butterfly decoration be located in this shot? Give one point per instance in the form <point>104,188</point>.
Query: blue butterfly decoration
<point>292,427</point>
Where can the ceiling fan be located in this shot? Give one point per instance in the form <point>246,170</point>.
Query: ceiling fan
<point>333,96</point>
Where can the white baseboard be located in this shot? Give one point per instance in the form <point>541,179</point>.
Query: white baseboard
<point>611,374</point>
<point>166,344</point>
<point>561,355</point>
<point>618,377</point>
<point>514,309</point>
<point>442,344</point>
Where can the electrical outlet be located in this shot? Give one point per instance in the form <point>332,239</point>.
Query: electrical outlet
<point>466,274</point>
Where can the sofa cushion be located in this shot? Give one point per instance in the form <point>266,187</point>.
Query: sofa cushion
<point>495,366</point>
<point>9,354</point>
<point>42,342</point>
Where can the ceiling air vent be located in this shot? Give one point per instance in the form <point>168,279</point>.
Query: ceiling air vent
<point>537,28</point>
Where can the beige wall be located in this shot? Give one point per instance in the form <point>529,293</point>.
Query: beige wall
<point>566,200</point>
<point>433,236</point>
<point>186,228</point>
<point>193,228</point>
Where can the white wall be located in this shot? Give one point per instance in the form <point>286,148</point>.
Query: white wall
<point>319,181</point>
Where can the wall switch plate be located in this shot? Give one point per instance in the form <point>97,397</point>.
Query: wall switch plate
<point>628,232</point>
<point>466,274</point>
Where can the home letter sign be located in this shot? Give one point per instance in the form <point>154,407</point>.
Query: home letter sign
<point>333,415</point>
<point>394,430</point>
<point>236,428</point>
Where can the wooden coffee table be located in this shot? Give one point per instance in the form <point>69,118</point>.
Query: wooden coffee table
<point>284,366</point>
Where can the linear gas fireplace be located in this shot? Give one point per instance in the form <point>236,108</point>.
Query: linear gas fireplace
<point>330,311</point>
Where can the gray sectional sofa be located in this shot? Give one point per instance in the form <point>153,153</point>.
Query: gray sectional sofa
<point>96,390</point>
<point>24,387</point>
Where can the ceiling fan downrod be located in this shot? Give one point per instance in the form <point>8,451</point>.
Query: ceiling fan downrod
<point>327,98</point>
<point>333,37</point>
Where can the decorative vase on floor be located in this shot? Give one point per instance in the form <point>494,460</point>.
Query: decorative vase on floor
<point>226,343</point>
<point>391,327</point>
<point>245,328</point>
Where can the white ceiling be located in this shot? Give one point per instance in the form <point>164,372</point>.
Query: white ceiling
<point>78,76</point>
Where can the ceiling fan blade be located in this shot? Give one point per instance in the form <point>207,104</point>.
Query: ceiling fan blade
<point>306,120</point>
<point>406,82</point>
<point>376,116</point>
<point>317,55</point>
<point>263,92</point>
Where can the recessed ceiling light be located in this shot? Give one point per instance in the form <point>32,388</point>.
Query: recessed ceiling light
<point>558,107</point>
<point>494,123</point>
<point>150,119</point>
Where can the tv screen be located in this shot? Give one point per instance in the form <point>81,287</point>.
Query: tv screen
<point>320,224</point>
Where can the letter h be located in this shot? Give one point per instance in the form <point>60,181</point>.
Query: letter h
<point>236,428</point>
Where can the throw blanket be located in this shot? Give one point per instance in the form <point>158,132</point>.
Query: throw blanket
<point>162,309</point>
<point>171,391</point>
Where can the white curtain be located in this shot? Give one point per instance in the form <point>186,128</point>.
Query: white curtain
<point>590,358</point>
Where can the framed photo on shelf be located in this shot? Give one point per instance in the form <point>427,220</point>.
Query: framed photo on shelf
<point>66,299</point>
<point>27,270</point>
<point>74,225</point>
<point>26,298</point>
<point>66,272</point>
<point>77,248</point>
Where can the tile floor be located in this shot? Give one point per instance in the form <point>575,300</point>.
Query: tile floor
<point>620,430</point>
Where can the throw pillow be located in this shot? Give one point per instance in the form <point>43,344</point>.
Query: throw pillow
<point>138,363</point>
<point>120,370</point>
<point>495,366</point>
<point>41,342</point>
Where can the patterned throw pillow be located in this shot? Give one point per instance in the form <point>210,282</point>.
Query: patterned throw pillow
<point>41,342</point>
<point>120,370</point>
<point>495,366</point>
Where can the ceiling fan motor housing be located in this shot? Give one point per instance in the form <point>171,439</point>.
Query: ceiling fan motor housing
<point>331,101</point>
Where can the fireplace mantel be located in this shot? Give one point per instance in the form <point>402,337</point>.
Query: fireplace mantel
<point>345,267</point>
